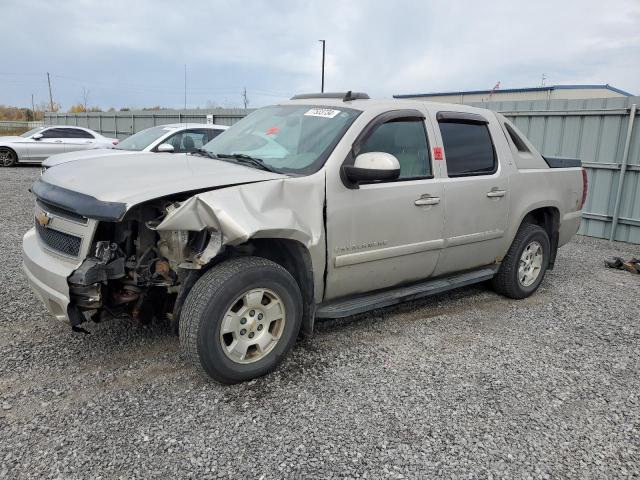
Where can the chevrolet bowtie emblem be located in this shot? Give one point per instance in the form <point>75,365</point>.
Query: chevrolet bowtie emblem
<point>43,219</point>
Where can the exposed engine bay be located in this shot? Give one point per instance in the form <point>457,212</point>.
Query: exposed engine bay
<point>134,270</point>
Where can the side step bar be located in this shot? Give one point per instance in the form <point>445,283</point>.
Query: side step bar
<point>370,301</point>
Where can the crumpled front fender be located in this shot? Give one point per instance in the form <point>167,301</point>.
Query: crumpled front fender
<point>289,208</point>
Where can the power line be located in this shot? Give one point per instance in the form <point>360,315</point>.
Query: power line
<point>20,74</point>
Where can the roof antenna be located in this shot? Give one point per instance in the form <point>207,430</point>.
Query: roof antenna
<point>347,97</point>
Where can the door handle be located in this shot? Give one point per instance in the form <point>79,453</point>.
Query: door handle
<point>496,193</point>
<point>57,141</point>
<point>427,199</point>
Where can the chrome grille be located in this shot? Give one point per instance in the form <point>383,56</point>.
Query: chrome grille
<point>61,212</point>
<point>59,241</point>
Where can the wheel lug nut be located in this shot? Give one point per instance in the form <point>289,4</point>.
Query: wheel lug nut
<point>251,335</point>
<point>260,316</point>
<point>252,313</point>
<point>243,331</point>
<point>259,327</point>
<point>243,321</point>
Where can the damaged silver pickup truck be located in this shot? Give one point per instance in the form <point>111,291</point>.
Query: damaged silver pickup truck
<point>324,206</point>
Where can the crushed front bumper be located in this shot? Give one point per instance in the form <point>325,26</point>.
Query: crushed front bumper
<point>47,275</point>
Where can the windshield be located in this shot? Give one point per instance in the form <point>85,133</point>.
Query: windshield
<point>141,140</point>
<point>31,132</point>
<point>288,138</point>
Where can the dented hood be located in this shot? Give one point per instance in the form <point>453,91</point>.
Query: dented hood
<point>135,178</point>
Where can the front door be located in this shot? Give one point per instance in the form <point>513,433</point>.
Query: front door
<point>387,233</point>
<point>51,143</point>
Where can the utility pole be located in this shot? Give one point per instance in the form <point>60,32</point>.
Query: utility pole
<point>50,96</point>
<point>85,98</point>
<point>33,107</point>
<point>544,78</point>
<point>323,48</point>
<point>244,97</point>
<point>185,86</point>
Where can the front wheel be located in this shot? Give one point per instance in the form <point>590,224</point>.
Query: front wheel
<point>240,319</point>
<point>525,264</point>
<point>8,157</point>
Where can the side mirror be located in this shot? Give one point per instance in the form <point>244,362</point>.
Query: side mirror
<point>166,147</point>
<point>373,166</point>
<point>37,136</point>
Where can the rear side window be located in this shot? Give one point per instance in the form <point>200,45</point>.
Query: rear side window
<point>406,139</point>
<point>468,148</point>
<point>75,133</point>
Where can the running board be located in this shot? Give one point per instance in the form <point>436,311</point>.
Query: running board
<point>363,303</point>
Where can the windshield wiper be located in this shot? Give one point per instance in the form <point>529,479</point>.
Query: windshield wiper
<point>248,160</point>
<point>204,153</point>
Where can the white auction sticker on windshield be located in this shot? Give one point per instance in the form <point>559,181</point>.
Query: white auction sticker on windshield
<point>322,112</point>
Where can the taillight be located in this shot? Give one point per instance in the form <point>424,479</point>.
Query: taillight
<point>585,185</point>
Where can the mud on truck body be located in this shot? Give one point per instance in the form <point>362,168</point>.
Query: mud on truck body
<point>323,206</point>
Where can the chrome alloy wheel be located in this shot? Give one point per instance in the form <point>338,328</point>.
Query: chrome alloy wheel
<point>530,264</point>
<point>7,158</point>
<point>252,326</point>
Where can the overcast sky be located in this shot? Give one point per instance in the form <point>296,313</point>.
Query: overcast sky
<point>133,52</point>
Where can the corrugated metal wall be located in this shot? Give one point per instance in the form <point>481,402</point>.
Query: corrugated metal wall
<point>593,130</point>
<point>123,124</point>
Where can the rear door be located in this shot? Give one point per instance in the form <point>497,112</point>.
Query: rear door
<point>385,233</point>
<point>77,139</point>
<point>476,192</point>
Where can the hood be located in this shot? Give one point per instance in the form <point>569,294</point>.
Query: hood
<point>131,179</point>
<point>11,139</point>
<point>81,155</point>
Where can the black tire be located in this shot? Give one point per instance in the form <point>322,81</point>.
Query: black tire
<point>506,281</point>
<point>8,157</point>
<point>210,299</point>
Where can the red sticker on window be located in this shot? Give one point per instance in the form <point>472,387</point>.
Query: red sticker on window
<point>272,131</point>
<point>437,153</point>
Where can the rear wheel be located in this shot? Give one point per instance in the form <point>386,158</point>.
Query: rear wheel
<point>8,157</point>
<point>240,319</point>
<point>525,264</point>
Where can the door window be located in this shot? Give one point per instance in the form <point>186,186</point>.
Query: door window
<point>406,139</point>
<point>468,148</point>
<point>76,133</point>
<point>188,140</point>
<point>211,133</point>
<point>54,133</point>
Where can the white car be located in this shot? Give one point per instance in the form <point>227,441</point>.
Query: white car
<point>40,143</point>
<point>173,138</point>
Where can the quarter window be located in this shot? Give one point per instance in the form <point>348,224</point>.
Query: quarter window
<point>515,138</point>
<point>406,139</point>
<point>468,148</point>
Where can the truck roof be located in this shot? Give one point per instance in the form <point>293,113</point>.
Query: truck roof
<point>365,104</point>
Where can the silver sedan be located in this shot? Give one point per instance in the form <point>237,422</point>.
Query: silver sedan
<point>38,144</point>
<point>173,138</point>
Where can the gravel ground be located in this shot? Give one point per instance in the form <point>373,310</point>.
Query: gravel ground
<point>464,385</point>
